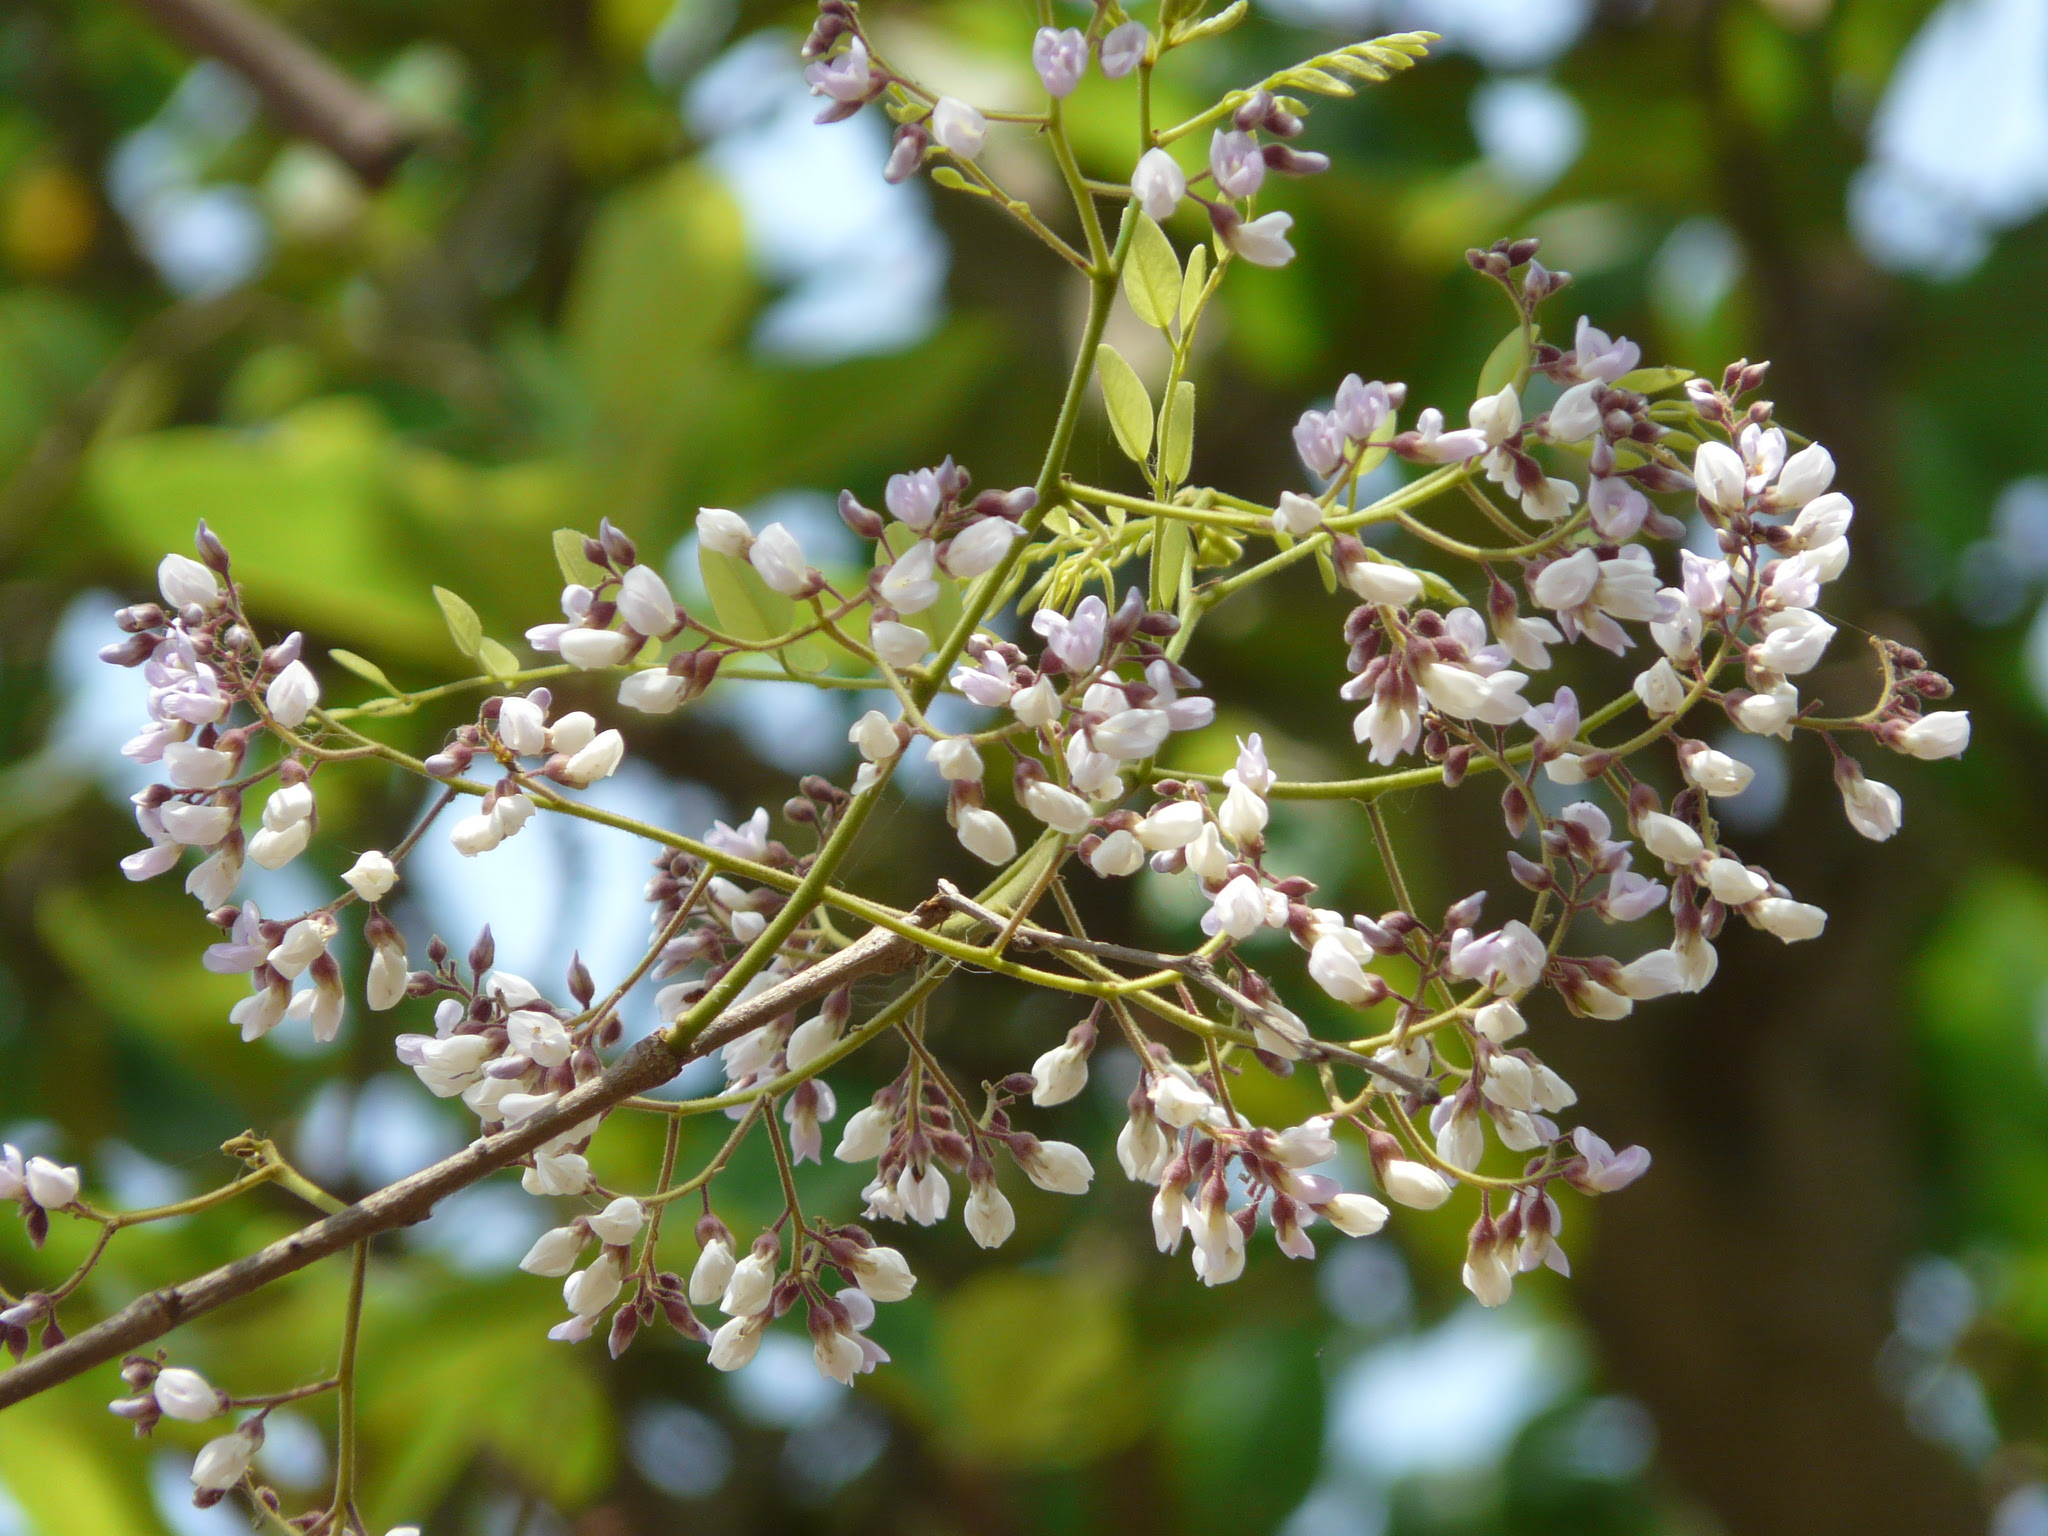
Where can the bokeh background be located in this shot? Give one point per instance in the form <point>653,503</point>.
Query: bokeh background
<point>625,276</point>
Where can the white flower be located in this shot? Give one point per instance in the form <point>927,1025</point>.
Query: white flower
<point>779,557</point>
<point>554,1252</point>
<point>875,736</point>
<point>1296,515</point>
<point>1500,1021</point>
<point>900,645</point>
<point>1718,774</point>
<point>1061,809</point>
<point>723,532</point>
<point>590,1291</point>
<point>1037,706</point>
<point>473,835</point>
<point>197,826</point>
<point>645,602</point>
<point>371,876</point>
<point>184,581</point>
<point>1178,1101</point>
<point>1576,414</point>
<point>522,726</point>
<point>49,1184</point>
<point>1793,641</point>
<point>301,945</point>
<point>959,127</point>
<point>1823,521</point>
<point>988,1216</point>
<point>593,648</point>
<point>986,835</point>
<point>1945,733</point>
<point>1661,689</point>
<point>746,1293</point>
<point>1263,241</point>
<point>1733,883</point>
<point>1239,908</point>
<point>1804,476</point>
<point>712,1273</point>
<point>1873,809</point>
<point>911,585</point>
<point>1669,838</point>
<point>1496,417</point>
<point>1787,919</point>
<point>598,759</point>
<point>223,1462</point>
<point>1769,714</point>
<point>192,766</point>
<point>1059,1074</point>
<point>1383,582</point>
<point>619,1222</point>
<point>1354,1215</point>
<point>655,691</point>
<point>1159,184</point>
<point>1118,854</point>
<point>956,758</point>
<point>1334,968</point>
<point>733,1345</point>
<point>979,548</point>
<point>1412,1184</point>
<point>1172,826</point>
<point>883,1274</point>
<point>1058,1167</point>
<point>187,1395</point>
<point>1720,475</point>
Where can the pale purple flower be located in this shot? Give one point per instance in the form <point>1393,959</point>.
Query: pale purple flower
<point>1320,442</point>
<point>1158,183</point>
<point>1124,48</point>
<point>1076,641</point>
<point>846,78</point>
<point>1060,57</point>
<point>1235,162</point>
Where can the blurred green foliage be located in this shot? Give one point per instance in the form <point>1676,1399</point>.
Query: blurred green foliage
<point>548,316</point>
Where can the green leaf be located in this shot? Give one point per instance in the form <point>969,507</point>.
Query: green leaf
<point>464,627</point>
<point>577,570</point>
<point>364,668</point>
<point>497,659</point>
<point>1507,364</point>
<point>1130,408</point>
<point>745,604</point>
<point>1171,551</point>
<point>1177,433</point>
<point>1215,26</point>
<point>1191,286</point>
<point>1326,567</point>
<point>953,181</point>
<point>1651,381</point>
<point>1152,275</point>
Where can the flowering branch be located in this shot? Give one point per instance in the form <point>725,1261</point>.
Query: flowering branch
<point>1431,1066</point>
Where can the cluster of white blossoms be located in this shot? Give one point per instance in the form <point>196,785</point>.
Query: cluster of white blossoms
<point>1003,605</point>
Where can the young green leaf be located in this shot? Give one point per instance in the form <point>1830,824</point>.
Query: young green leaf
<point>364,668</point>
<point>466,629</point>
<point>1171,548</point>
<point>1130,408</point>
<point>1507,364</point>
<point>497,659</point>
<point>577,570</point>
<point>1152,275</point>
<point>1650,381</point>
<point>1177,433</point>
<point>1191,285</point>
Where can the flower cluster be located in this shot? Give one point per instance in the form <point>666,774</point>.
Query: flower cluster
<point>1417,1028</point>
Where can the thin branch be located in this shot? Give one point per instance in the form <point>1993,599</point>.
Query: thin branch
<point>302,89</point>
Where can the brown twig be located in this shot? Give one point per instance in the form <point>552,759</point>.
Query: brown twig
<point>413,1199</point>
<point>302,89</point>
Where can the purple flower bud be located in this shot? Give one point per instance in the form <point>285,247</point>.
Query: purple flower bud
<point>1060,57</point>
